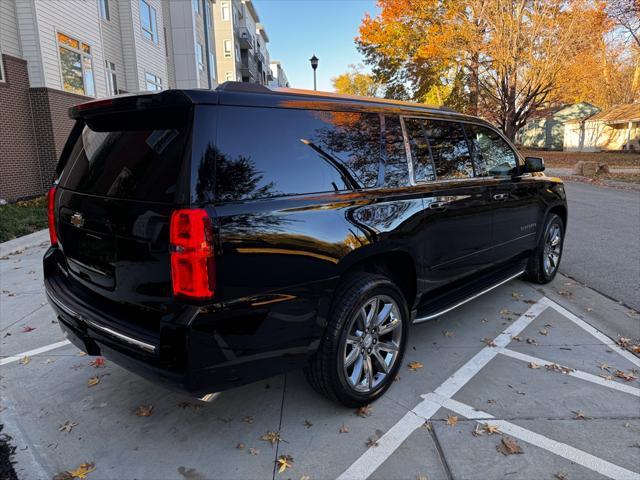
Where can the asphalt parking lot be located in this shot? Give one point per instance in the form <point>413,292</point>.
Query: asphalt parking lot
<point>512,385</point>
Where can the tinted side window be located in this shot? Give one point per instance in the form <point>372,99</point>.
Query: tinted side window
<point>423,169</point>
<point>492,155</point>
<point>396,172</point>
<point>264,152</point>
<point>449,149</point>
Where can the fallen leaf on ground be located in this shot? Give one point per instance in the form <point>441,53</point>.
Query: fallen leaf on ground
<point>490,429</point>
<point>240,446</point>
<point>516,338</point>
<point>144,410</point>
<point>50,360</point>
<point>532,341</point>
<point>28,329</point>
<point>544,331</point>
<point>489,342</point>
<point>508,446</point>
<point>98,363</point>
<point>93,381</point>
<point>308,424</point>
<point>606,377</point>
<point>447,333</point>
<point>624,342</point>
<point>396,378</point>
<point>343,429</point>
<point>67,426</point>
<point>428,425</point>
<point>305,477</point>
<point>533,365</point>
<point>254,451</point>
<point>271,437</point>
<point>83,470</point>
<point>421,477</point>
<point>477,431</point>
<point>415,366</point>
<point>248,419</point>
<point>491,402</point>
<point>560,476</point>
<point>452,420</point>
<point>504,311</point>
<point>81,354</point>
<point>554,367</point>
<point>25,360</point>
<point>364,411</point>
<point>284,462</point>
<point>604,366</point>
<point>186,405</point>
<point>627,377</point>
<point>516,294</point>
<point>529,301</point>
<point>372,442</point>
<point>579,415</point>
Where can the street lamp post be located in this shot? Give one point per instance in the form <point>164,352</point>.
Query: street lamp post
<point>314,65</point>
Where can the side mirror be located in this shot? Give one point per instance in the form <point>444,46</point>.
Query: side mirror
<point>533,164</point>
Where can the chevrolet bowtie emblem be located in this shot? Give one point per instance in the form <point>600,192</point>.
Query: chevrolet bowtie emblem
<point>77,220</point>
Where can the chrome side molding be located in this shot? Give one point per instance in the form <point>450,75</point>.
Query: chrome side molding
<point>472,297</point>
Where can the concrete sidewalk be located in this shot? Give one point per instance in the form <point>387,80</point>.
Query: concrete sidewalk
<point>476,371</point>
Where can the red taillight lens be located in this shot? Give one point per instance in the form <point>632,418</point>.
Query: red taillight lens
<point>51,214</point>
<point>192,256</point>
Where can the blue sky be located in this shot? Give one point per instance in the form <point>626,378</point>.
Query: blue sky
<point>299,28</point>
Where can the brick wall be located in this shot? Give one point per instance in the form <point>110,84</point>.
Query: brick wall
<point>34,125</point>
<point>20,174</point>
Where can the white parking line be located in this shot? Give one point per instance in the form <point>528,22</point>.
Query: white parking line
<point>589,329</point>
<point>575,373</point>
<point>370,460</point>
<point>563,450</point>
<point>35,351</point>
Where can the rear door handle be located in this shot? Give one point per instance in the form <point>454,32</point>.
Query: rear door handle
<point>501,196</point>
<point>438,206</point>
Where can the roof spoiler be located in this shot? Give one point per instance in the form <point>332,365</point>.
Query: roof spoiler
<point>129,102</point>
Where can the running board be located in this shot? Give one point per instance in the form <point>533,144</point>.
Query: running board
<point>439,313</point>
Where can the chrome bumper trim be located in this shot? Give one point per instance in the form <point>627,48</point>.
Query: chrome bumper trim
<point>109,331</point>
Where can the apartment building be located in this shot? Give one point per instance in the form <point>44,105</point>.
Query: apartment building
<point>279,78</point>
<point>55,54</point>
<point>241,43</point>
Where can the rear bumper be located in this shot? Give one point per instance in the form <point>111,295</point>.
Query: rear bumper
<point>195,349</point>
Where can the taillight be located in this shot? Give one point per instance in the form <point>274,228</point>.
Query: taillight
<point>192,255</point>
<point>51,214</point>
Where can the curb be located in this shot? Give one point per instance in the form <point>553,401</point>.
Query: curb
<point>24,242</point>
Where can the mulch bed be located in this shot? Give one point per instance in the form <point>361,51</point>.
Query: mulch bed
<point>6,452</point>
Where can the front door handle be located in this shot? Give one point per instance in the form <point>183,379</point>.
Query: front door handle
<point>438,206</point>
<point>501,196</point>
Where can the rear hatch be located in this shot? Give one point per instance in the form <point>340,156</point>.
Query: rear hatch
<point>124,169</point>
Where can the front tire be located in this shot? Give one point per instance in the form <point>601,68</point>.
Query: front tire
<point>545,259</point>
<point>364,341</point>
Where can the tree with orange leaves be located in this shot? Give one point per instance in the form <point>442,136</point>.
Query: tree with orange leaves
<point>498,58</point>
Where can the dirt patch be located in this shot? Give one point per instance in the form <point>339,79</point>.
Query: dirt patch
<point>6,452</point>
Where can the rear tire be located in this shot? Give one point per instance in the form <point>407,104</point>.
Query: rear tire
<point>545,259</point>
<point>364,341</point>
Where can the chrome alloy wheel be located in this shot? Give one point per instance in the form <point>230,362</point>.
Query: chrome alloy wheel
<point>372,344</point>
<point>552,246</point>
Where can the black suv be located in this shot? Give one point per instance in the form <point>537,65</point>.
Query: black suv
<point>211,238</point>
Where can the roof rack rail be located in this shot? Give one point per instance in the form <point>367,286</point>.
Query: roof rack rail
<point>243,87</point>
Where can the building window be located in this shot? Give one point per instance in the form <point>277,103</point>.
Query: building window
<point>148,21</point>
<point>76,66</point>
<point>154,82</point>
<point>225,11</point>
<point>208,13</point>
<point>227,48</point>
<point>104,9</point>
<point>212,64</point>
<point>228,76</point>
<point>2,77</point>
<point>112,79</point>
<point>199,57</point>
<point>196,6</point>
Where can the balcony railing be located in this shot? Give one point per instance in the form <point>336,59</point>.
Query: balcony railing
<point>245,38</point>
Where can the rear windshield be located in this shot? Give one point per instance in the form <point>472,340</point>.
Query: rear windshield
<point>137,164</point>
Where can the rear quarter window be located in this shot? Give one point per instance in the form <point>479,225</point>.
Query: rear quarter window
<point>267,152</point>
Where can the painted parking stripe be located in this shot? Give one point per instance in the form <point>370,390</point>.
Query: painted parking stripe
<point>35,351</point>
<point>591,330</point>
<point>370,460</point>
<point>563,450</point>
<point>575,373</point>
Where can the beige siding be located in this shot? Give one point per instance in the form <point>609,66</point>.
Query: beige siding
<point>78,19</point>
<point>29,41</point>
<point>112,41</point>
<point>9,40</point>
